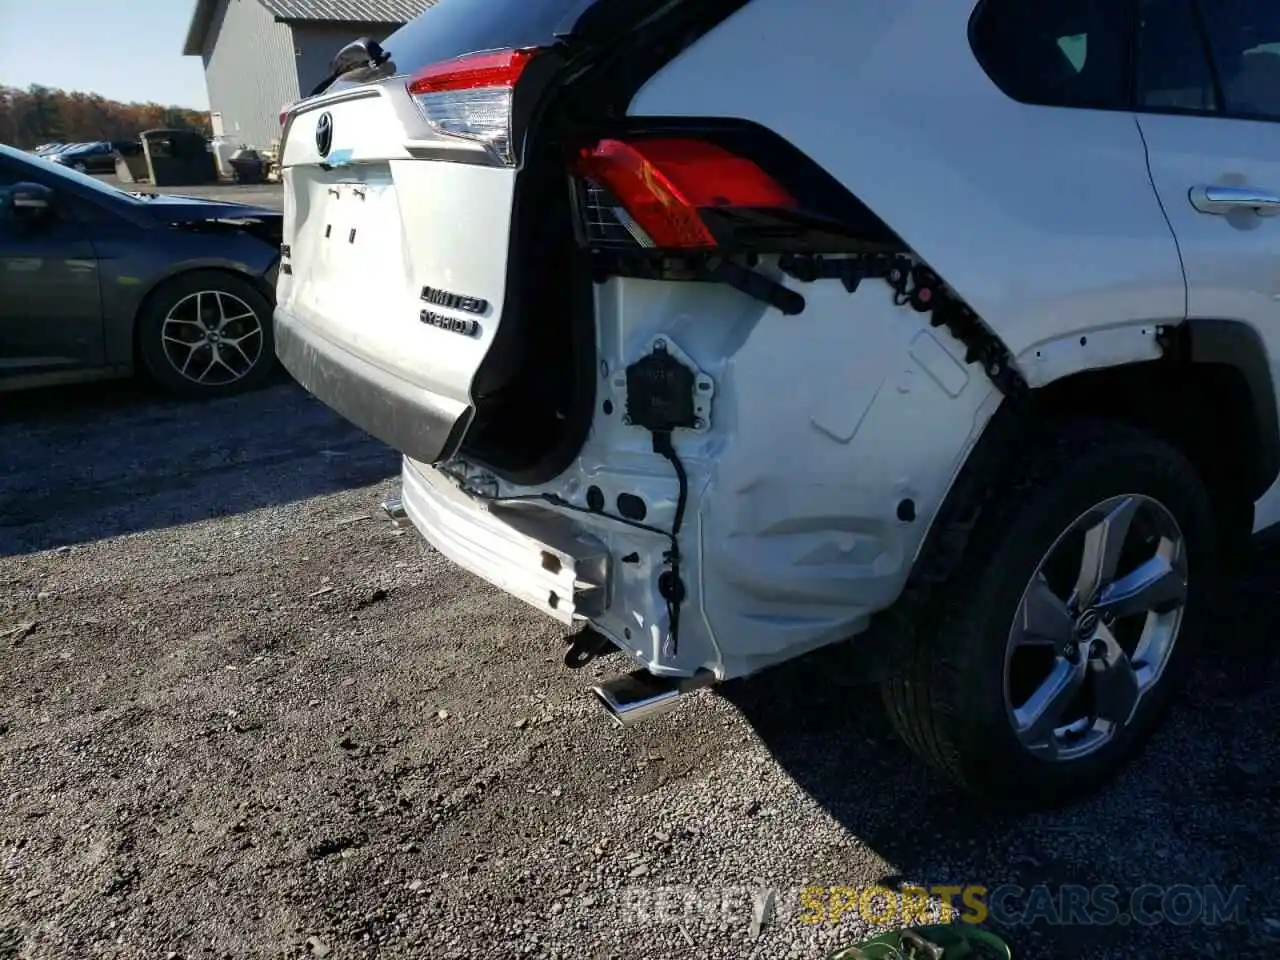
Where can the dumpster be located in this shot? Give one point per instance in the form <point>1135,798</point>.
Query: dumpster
<point>131,163</point>
<point>248,165</point>
<point>178,158</point>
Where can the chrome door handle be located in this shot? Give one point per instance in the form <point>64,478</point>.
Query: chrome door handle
<point>1224,200</point>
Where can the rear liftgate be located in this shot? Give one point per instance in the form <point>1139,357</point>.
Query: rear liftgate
<point>398,219</point>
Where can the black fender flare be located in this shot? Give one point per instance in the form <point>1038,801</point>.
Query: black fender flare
<point>1238,345</point>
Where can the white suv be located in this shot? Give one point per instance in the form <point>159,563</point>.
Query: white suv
<point>736,328</point>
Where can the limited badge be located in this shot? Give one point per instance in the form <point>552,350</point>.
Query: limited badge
<point>454,301</point>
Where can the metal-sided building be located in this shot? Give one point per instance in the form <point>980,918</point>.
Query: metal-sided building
<point>261,54</point>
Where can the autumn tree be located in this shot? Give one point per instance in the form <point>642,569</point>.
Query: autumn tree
<point>39,115</point>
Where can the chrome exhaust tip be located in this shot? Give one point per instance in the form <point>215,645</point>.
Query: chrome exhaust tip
<point>394,509</point>
<point>639,695</point>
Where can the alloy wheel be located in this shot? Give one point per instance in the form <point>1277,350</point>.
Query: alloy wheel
<point>1096,627</point>
<point>212,338</point>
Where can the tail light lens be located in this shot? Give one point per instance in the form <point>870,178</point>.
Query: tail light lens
<point>284,113</point>
<point>656,190</point>
<point>471,97</point>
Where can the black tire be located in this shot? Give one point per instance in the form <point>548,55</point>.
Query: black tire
<point>948,700</point>
<point>158,361</point>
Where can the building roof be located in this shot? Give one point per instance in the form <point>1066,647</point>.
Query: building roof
<point>325,11</point>
<point>348,11</point>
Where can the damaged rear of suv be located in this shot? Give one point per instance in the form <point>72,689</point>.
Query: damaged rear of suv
<point>716,325</point>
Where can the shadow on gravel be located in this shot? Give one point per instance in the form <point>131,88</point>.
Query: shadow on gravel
<point>95,461</point>
<point>1200,806</point>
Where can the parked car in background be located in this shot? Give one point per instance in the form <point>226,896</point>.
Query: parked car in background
<point>74,147</point>
<point>739,328</point>
<point>56,149</point>
<point>99,157</point>
<point>46,148</point>
<point>96,282</point>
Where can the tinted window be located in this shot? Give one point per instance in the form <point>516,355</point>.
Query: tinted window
<point>451,28</point>
<point>1244,36</point>
<point>1173,71</point>
<point>1067,53</point>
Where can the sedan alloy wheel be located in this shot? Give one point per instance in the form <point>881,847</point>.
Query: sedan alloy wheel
<point>212,338</point>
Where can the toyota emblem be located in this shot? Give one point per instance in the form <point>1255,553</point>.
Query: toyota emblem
<point>324,134</point>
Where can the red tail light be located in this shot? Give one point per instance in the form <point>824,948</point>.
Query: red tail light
<point>663,183</point>
<point>284,113</point>
<point>498,69</point>
<point>470,97</point>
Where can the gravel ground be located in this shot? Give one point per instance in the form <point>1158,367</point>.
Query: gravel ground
<point>242,716</point>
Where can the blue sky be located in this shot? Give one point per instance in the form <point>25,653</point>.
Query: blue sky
<point>123,49</point>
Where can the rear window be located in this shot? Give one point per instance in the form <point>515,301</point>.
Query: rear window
<point>1059,53</point>
<point>451,28</point>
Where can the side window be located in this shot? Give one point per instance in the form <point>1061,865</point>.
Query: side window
<point>1244,37</point>
<point>68,210</point>
<point>1059,53</point>
<point>1173,71</point>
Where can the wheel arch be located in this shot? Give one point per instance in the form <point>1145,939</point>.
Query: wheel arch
<point>1210,393</point>
<point>1206,376</point>
<point>1204,385</point>
<point>175,272</point>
